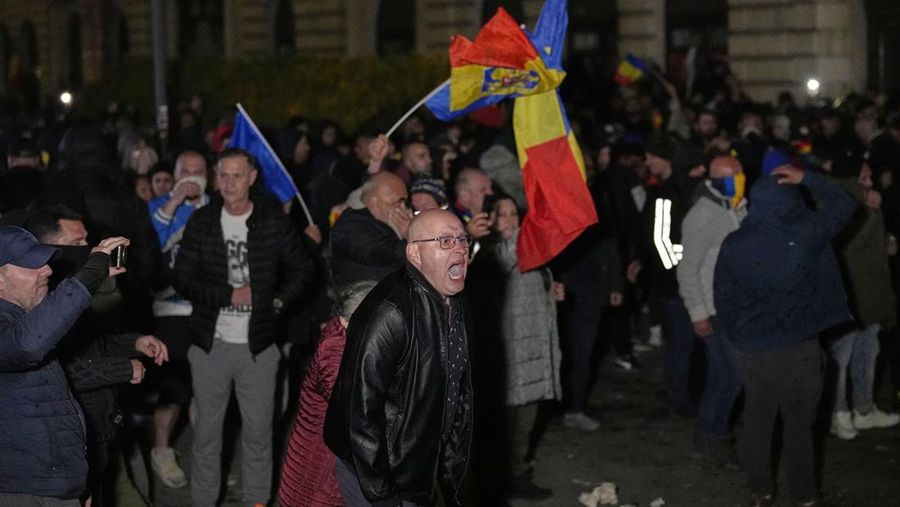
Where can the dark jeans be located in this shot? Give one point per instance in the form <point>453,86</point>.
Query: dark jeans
<point>618,328</point>
<point>349,485</point>
<point>788,380</point>
<point>581,328</point>
<point>723,385</point>
<point>678,347</point>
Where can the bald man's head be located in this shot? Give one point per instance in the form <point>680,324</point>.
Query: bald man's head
<point>439,248</point>
<point>382,193</point>
<point>724,166</point>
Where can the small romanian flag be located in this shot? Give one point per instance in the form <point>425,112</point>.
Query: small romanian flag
<point>630,70</point>
<point>802,146</point>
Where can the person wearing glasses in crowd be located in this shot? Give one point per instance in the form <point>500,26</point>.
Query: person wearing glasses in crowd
<point>400,417</point>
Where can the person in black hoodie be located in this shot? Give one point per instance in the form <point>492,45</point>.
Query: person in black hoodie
<point>777,285</point>
<point>669,197</point>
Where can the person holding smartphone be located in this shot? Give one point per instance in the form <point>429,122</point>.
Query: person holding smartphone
<point>474,199</point>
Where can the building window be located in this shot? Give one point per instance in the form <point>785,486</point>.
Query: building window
<point>116,44</point>
<point>284,31</point>
<point>29,46</point>
<point>396,30</point>
<point>6,52</point>
<point>883,46</point>
<point>701,25</point>
<point>200,27</point>
<point>74,76</point>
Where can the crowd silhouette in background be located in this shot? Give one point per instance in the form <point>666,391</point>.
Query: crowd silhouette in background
<point>755,243</point>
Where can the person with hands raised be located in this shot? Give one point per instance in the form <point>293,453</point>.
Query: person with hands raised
<point>96,359</point>
<point>42,441</point>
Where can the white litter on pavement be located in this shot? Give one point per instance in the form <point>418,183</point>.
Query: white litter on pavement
<point>604,494</point>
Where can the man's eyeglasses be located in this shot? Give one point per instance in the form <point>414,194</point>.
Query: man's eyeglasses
<point>448,242</point>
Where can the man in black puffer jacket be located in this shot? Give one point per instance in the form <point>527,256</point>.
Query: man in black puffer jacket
<point>241,260</point>
<point>42,432</point>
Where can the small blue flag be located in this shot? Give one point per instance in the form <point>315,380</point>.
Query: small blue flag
<point>275,177</point>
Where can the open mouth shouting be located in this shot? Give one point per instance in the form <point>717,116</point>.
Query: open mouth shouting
<point>457,270</point>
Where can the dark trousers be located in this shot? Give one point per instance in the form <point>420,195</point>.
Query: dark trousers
<point>581,328</point>
<point>788,380</point>
<point>103,465</point>
<point>678,348</point>
<point>723,385</point>
<point>350,489</point>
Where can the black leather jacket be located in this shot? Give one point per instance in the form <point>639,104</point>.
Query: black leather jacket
<point>386,413</point>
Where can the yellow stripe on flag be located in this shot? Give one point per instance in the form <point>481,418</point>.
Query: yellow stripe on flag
<point>536,120</point>
<point>469,83</point>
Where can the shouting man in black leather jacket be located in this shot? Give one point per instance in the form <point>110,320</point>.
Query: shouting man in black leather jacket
<point>400,417</point>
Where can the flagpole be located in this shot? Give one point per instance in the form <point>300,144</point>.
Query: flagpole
<point>278,160</point>
<point>417,106</point>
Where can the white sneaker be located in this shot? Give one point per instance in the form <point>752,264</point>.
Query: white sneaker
<point>580,421</point>
<point>655,339</point>
<point>874,419</point>
<point>166,467</point>
<point>842,426</point>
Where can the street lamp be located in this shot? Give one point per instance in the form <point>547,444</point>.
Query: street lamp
<point>66,98</point>
<point>812,87</point>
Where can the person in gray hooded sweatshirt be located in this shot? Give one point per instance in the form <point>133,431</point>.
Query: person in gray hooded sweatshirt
<point>719,209</point>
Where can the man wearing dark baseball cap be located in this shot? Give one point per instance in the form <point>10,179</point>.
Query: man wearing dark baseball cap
<point>42,440</point>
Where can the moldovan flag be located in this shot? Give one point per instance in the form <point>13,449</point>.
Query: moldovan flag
<point>630,70</point>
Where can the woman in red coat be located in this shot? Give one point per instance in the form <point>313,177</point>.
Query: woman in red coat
<point>307,473</point>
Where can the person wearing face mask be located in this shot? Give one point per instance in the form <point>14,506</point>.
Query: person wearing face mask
<point>400,416</point>
<point>171,312</point>
<point>96,363</point>
<point>718,210</point>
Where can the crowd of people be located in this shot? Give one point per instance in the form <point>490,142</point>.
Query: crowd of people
<point>756,244</point>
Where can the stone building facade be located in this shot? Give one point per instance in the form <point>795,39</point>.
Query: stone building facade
<point>772,45</point>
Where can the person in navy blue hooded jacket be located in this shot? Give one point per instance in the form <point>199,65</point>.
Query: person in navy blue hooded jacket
<point>777,285</point>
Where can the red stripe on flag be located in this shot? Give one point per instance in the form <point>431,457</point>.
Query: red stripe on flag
<point>500,43</point>
<point>559,203</point>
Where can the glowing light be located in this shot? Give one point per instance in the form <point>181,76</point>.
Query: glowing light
<point>65,98</point>
<point>812,86</point>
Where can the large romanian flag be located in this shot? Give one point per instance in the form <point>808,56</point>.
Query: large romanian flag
<point>559,205</point>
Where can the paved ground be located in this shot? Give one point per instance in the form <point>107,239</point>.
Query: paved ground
<point>646,453</point>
